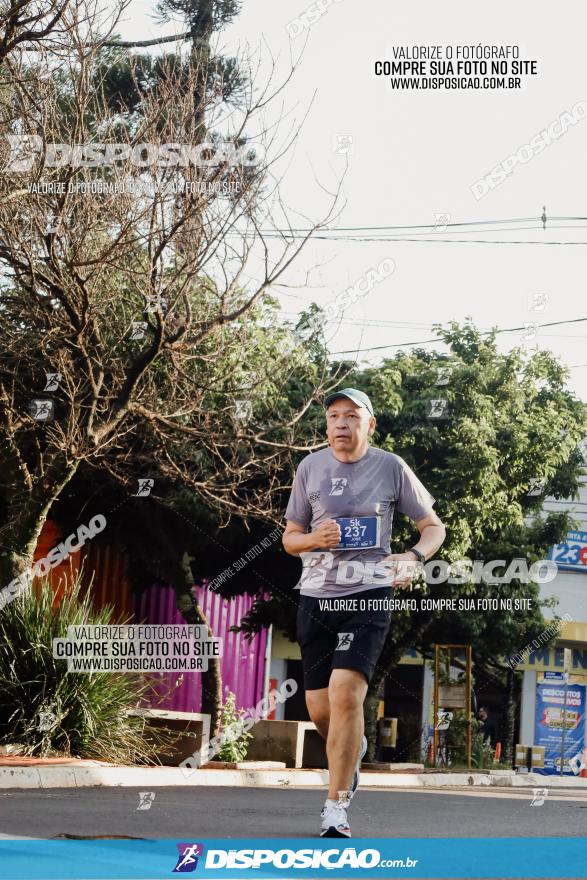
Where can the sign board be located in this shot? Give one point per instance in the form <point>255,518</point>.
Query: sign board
<point>572,555</point>
<point>549,720</point>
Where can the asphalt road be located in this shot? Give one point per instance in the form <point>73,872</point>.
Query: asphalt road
<point>269,812</point>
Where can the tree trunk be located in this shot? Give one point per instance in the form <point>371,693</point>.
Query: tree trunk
<point>392,652</point>
<point>26,521</point>
<point>201,22</point>
<point>193,614</point>
<point>370,715</point>
<point>509,716</point>
<point>14,562</point>
<point>388,659</point>
<point>20,541</point>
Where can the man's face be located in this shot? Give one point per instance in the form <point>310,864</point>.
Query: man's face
<point>482,714</point>
<point>347,425</point>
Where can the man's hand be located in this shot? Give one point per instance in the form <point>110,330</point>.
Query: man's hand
<point>406,567</point>
<point>327,535</point>
<point>297,540</point>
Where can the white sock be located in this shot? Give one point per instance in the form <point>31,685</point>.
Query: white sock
<point>329,802</point>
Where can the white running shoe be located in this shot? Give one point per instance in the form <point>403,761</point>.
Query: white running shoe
<point>362,753</point>
<point>334,820</point>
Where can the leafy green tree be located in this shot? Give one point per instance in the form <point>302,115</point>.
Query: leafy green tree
<point>510,439</point>
<point>498,633</point>
<point>218,83</point>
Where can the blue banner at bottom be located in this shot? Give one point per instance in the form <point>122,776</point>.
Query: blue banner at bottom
<point>305,858</point>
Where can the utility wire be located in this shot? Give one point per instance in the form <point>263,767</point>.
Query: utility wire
<point>437,339</point>
<point>433,240</point>
<point>391,233</point>
<point>386,233</point>
<point>306,230</point>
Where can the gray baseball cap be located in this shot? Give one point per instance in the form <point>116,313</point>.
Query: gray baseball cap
<point>358,397</point>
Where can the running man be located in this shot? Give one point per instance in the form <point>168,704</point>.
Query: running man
<point>339,520</point>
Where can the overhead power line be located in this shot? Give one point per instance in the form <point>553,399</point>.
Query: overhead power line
<point>305,230</point>
<point>429,225</point>
<point>398,233</point>
<point>398,239</point>
<point>437,339</point>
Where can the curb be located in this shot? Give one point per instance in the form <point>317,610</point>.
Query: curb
<point>76,776</point>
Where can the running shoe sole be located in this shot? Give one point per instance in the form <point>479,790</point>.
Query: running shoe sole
<point>334,832</point>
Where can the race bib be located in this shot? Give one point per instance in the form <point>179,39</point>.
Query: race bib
<point>359,532</point>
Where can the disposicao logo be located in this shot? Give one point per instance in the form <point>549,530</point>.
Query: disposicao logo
<point>188,857</point>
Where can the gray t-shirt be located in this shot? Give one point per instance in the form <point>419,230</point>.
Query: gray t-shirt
<point>366,492</point>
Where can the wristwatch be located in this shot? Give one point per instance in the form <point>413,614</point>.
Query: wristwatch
<point>419,556</point>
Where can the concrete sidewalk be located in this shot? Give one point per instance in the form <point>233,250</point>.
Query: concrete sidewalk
<point>26,773</point>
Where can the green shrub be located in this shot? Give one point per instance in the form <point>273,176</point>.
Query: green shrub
<point>482,754</point>
<point>86,711</point>
<point>455,743</point>
<point>235,738</point>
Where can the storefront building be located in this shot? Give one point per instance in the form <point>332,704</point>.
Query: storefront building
<point>543,686</point>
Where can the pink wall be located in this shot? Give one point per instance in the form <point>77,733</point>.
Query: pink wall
<point>243,662</point>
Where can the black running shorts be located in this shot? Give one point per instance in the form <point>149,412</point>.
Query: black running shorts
<point>350,636</point>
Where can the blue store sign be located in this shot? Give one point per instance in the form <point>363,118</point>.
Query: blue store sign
<point>572,555</point>
<point>549,723</point>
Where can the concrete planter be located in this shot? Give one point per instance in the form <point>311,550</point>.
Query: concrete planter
<point>297,743</point>
<point>193,734</point>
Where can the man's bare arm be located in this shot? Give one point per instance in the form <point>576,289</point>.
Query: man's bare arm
<point>432,534</point>
<point>297,540</point>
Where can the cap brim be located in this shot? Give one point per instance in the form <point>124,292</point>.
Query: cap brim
<point>332,397</point>
<point>338,395</point>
